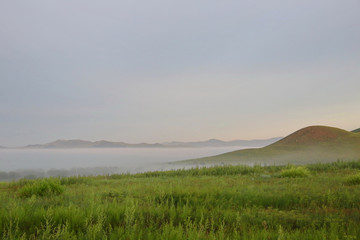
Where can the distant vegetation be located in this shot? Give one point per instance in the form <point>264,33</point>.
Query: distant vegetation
<point>318,201</point>
<point>39,173</point>
<point>308,145</point>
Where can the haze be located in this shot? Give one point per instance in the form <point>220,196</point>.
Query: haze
<point>153,71</point>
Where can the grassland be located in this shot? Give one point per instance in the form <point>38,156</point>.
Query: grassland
<point>308,145</point>
<point>318,201</point>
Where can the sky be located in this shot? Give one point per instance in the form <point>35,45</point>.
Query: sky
<point>156,70</point>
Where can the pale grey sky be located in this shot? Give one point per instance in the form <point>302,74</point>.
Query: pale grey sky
<point>153,71</point>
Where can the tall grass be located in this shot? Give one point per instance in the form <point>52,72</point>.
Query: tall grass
<point>353,179</point>
<point>293,171</point>
<point>41,188</point>
<point>228,202</point>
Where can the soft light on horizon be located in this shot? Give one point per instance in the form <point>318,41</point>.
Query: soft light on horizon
<point>157,71</point>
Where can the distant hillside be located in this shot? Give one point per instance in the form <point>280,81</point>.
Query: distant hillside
<point>307,145</point>
<point>77,143</point>
<point>356,130</point>
<point>219,143</point>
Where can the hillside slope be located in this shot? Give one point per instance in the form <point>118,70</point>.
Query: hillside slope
<point>356,130</point>
<point>307,145</point>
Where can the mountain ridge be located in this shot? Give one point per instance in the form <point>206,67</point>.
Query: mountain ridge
<point>78,143</point>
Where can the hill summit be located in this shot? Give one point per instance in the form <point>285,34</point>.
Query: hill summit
<point>314,135</point>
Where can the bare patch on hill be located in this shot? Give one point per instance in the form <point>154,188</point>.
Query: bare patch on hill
<point>313,134</point>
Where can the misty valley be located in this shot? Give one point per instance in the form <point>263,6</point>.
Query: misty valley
<point>35,163</point>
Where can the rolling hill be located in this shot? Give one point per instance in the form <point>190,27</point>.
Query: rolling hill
<point>308,145</point>
<point>356,130</point>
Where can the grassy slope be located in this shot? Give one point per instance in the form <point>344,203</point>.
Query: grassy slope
<point>356,130</point>
<point>308,145</point>
<point>232,202</point>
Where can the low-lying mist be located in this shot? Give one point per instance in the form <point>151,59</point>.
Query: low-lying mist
<point>35,163</point>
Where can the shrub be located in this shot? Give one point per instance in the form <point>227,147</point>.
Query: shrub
<point>295,172</point>
<point>41,188</point>
<point>354,179</point>
<point>75,180</point>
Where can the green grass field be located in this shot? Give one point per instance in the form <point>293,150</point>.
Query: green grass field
<point>319,201</point>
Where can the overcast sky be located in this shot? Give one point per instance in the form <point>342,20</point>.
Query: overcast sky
<point>153,71</point>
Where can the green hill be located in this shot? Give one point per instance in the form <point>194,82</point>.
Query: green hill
<point>308,145</point>
<point>356,130</point>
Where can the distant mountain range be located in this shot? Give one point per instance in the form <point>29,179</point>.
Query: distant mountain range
<point>77,143</point>
<point>308,145</point>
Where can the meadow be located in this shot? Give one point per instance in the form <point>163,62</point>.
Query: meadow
<point>317,201</point>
